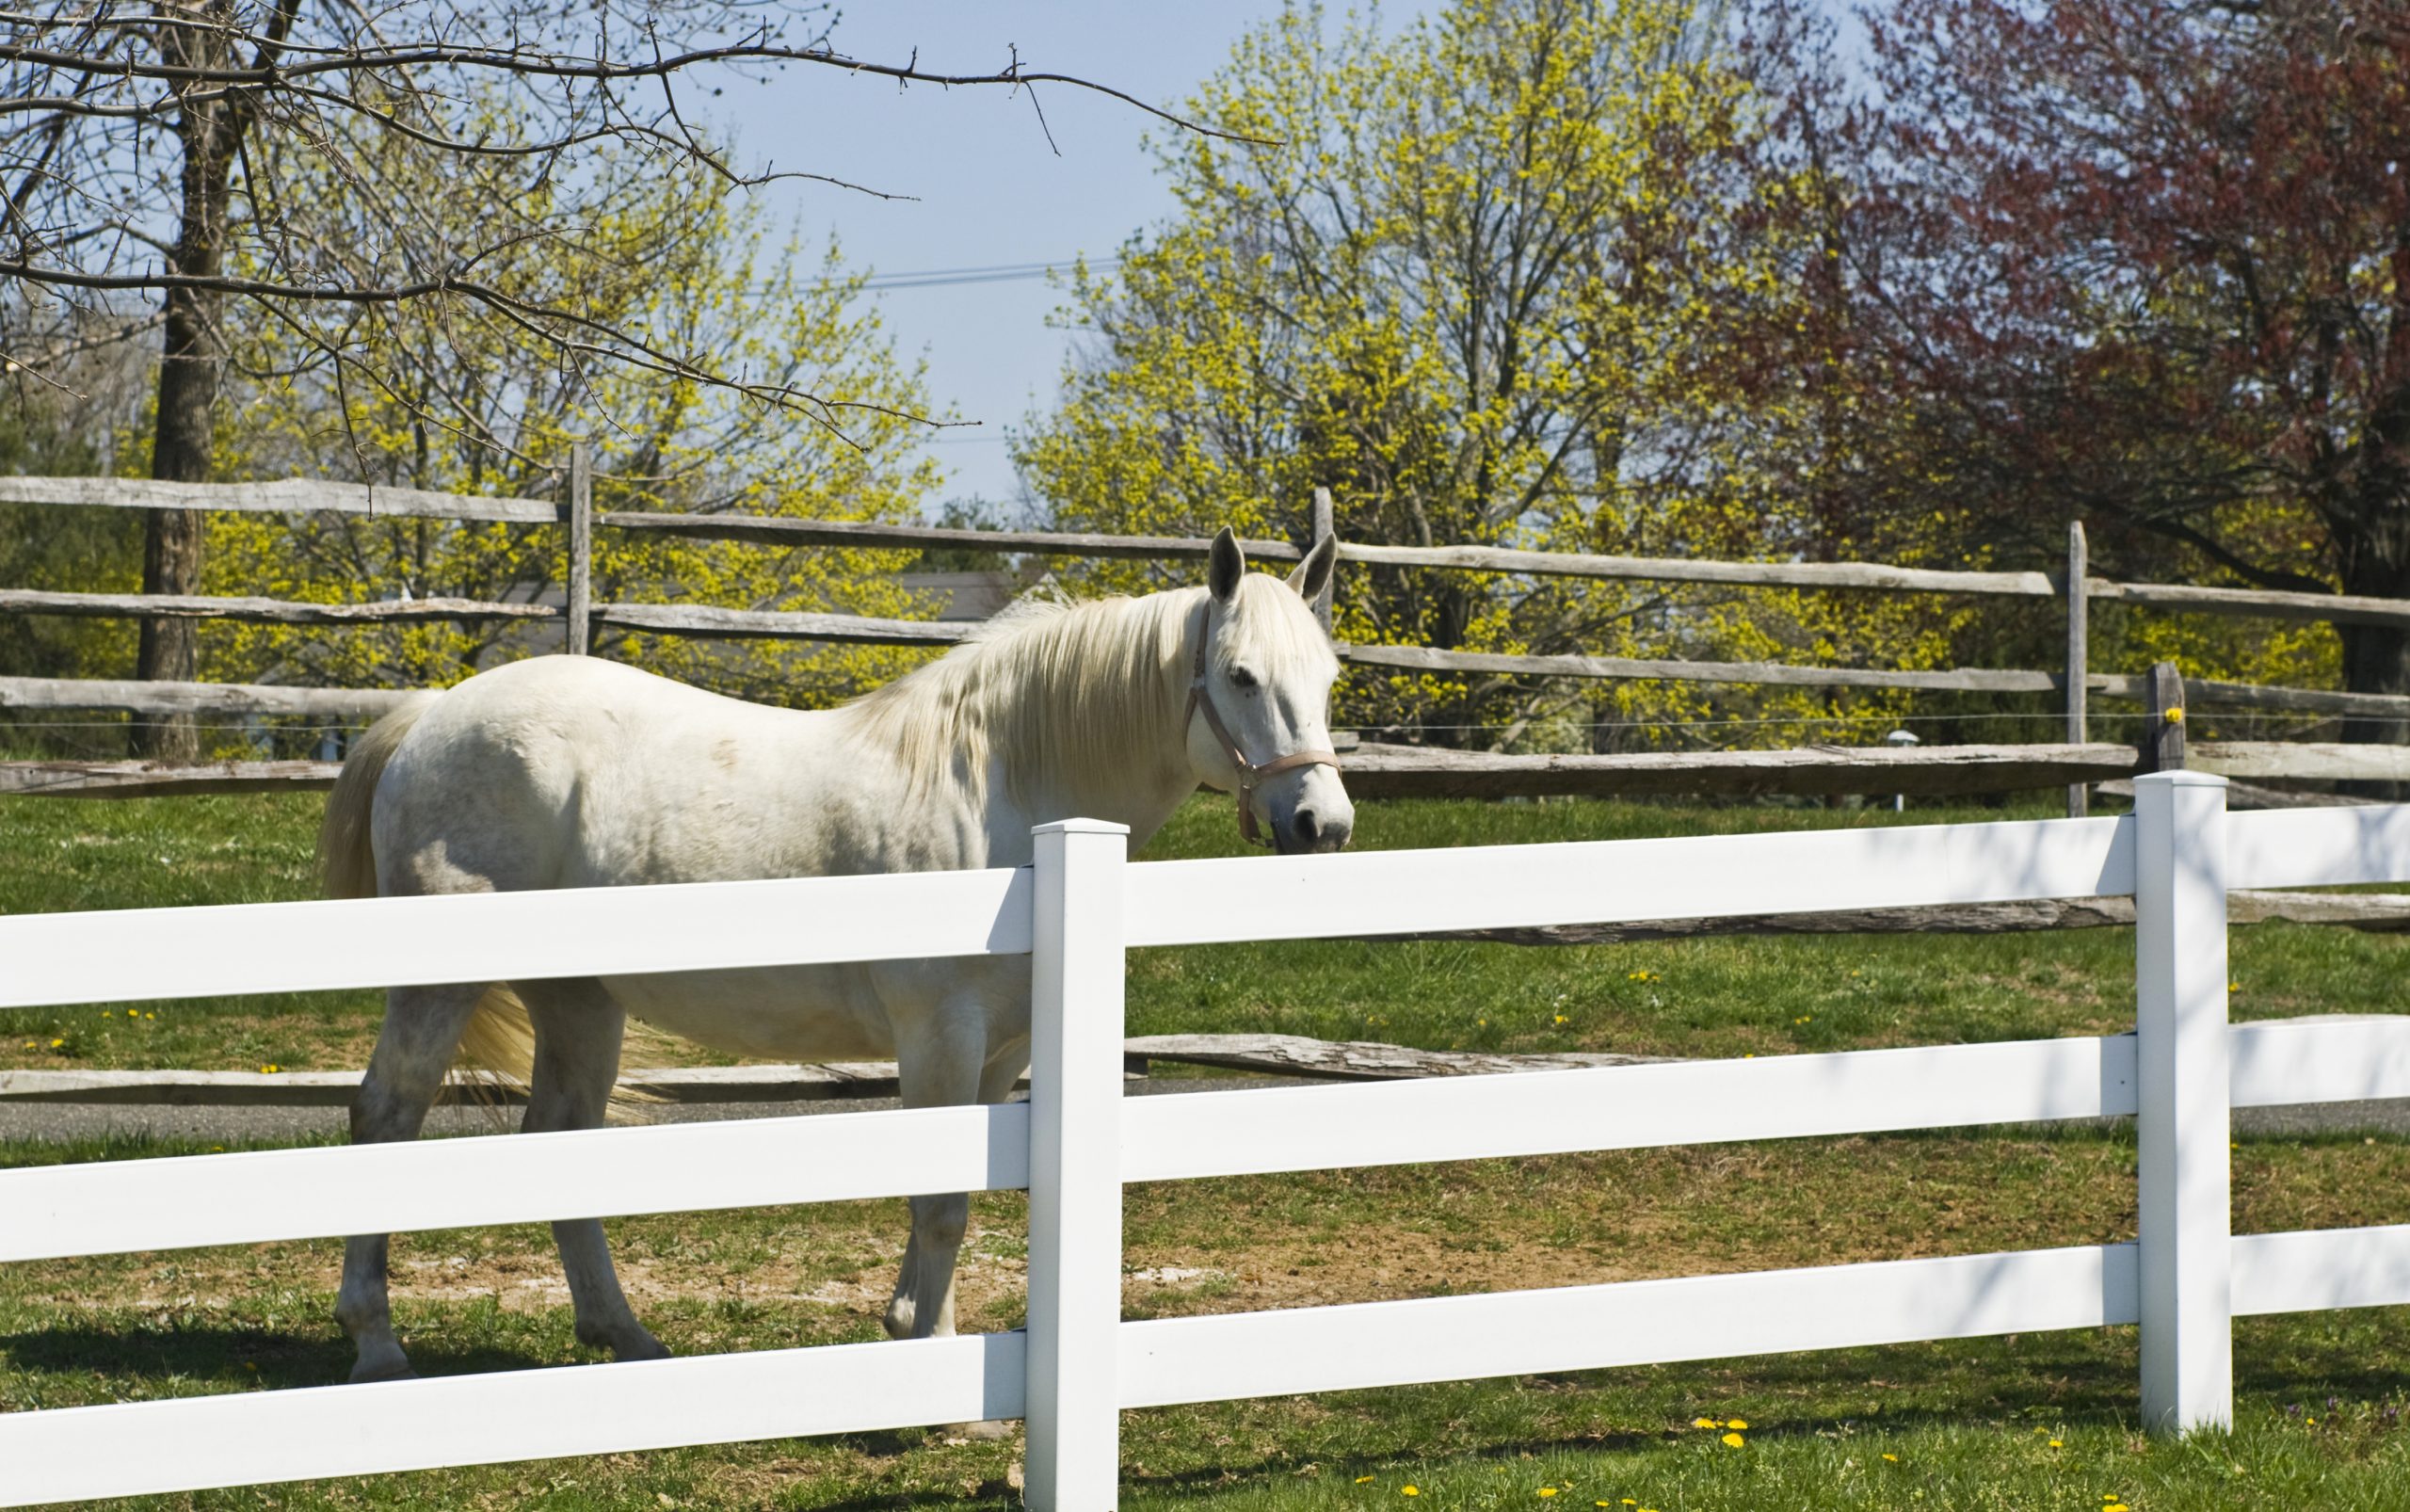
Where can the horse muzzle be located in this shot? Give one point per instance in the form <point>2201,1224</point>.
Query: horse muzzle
<point>1313,830</point>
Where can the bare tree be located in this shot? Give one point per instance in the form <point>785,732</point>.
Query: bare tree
<point>139,155</point>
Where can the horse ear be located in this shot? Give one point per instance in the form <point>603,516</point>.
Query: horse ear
<point>1226,563</point>
<point>1314,574</point>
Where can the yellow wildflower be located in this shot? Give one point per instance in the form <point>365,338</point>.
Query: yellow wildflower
<point>1363,1480</point>
<point>1735,1423</point>
<point>1734,1439</point>
<point>1409,1491</point>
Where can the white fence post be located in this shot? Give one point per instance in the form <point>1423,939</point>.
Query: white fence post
<point>1074,1409</point>
<point>2180,1025</point>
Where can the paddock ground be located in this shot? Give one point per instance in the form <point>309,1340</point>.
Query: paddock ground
<point>2037,1421</point>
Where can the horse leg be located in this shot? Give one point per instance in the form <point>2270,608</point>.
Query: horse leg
<point>423,1028</point>
<point>938,1067</point>
<point>577,1058</point>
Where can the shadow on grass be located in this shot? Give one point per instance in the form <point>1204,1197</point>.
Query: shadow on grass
<point>234,1356</point>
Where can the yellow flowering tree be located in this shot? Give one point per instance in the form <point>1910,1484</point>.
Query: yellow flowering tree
<point>450,395</point>
<point>1489,290</point>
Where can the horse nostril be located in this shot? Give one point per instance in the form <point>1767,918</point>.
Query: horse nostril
<point>1306,827</point>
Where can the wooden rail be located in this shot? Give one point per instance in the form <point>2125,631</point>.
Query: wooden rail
<point>265,611</point>
<point>707,622</point>
<point>196,697</point>
<point>1380,771</point>
<point>283,496</point>
<point>777,530</point>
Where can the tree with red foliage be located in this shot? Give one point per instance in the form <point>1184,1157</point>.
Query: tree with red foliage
<point>2142,261</point>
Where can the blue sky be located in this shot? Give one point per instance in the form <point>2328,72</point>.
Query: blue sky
<point>991,191</point>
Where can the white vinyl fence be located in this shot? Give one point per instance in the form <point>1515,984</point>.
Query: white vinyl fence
<point>1076,1142</point>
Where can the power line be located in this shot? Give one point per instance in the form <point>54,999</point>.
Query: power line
<point>946,278</point>
<point>1002,273</point>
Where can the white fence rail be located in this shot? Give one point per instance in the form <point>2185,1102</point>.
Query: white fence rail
<point>1076,1142</point>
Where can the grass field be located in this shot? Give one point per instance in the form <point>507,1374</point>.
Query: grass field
<point>2042,1421</point>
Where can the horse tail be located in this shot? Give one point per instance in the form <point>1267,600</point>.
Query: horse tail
<point>346,854</point>
<point>498,1049</point>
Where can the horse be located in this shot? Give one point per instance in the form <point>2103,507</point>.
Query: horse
<point>570,771</point>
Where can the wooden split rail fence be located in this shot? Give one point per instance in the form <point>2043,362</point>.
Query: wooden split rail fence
<point>2076,764</point>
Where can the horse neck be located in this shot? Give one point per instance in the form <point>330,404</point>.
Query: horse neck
<point>1062,751</point>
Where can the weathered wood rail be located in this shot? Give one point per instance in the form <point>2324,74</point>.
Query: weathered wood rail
<point>1381,771</point>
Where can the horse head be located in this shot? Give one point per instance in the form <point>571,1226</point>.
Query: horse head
<point>1259,700</point>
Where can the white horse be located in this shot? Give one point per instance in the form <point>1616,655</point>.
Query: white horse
<point>566,772</point>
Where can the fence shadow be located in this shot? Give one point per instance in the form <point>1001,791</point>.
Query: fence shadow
<point>234,1356</point>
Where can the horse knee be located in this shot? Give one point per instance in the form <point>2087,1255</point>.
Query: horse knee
<point>939,1222</point>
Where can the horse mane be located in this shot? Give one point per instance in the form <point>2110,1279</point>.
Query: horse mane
<point>1070,689</point>
<point>1078,692</point>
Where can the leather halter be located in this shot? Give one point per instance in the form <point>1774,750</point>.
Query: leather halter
<point>1201,701</point>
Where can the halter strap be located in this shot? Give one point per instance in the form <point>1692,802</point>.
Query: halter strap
<point>1201,701</point>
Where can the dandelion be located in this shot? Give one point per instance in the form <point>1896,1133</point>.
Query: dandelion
<point>1548,1490</point>
<point>1895,1459</point>
<point>57,1043</point>
<point>1705,1423</point>
<point>1363,1480</point>
<point>1409,1490</point>
<point>1735,1423</point>
<point>1805,1017</point>
<point>1734,1440</point>
<point>2057,1444</point>
<point>1561,1019</point>
<point>270,1070</point>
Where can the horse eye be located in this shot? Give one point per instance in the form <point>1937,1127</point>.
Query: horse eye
<point>1241,677</point>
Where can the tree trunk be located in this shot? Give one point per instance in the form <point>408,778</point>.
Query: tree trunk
<point>2376,658</point>
<point>192,360</point>
<point>171,537</point>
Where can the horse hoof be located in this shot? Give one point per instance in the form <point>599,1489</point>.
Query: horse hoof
<point>647,1347</point>
<point>365,1374</point>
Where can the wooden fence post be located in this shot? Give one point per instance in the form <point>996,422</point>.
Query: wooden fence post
<point>1076,964</point>
<point>1326,523</point>
<point>2183,1170</point>
<point>581,549</point>
<point>2163,740</point>
<point>2078,655</point>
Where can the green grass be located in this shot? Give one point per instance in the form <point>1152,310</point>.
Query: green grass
<point>1960,1419</point>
